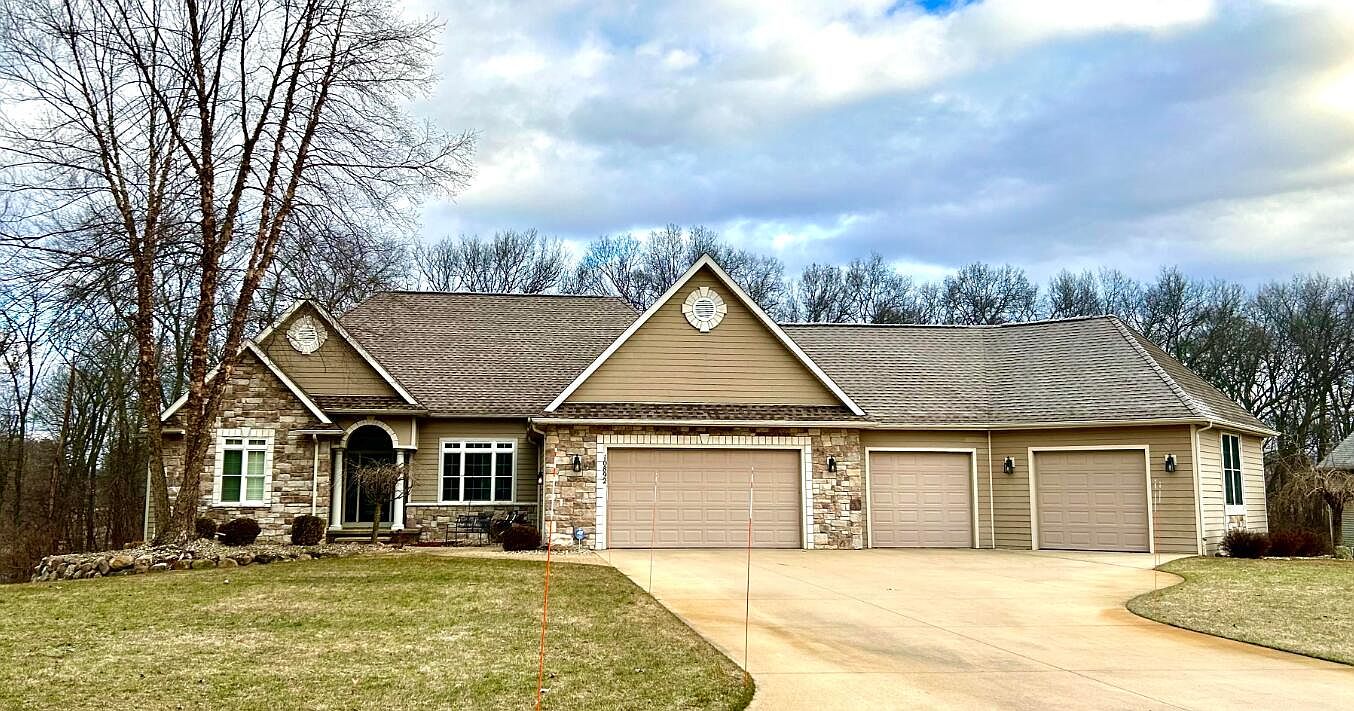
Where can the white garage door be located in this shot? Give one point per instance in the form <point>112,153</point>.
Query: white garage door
<point>702,498</point>
<point>921,500</point>
<point>1092,500</point>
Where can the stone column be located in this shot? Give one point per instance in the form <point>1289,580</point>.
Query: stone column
<point>397,510</point>
<point>336,497</point>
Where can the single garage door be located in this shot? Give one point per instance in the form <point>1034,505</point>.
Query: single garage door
<point>1092,500</point>
<point>703,498</point>
<point>921,500</point>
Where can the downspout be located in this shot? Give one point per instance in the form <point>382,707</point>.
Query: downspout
<point>991,494</point>
<point>314,472</point>
<point>540,474</point>
<point>1198,490</point>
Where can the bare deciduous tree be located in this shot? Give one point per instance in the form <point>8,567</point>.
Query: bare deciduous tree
<point>219,124</point>
<point>511,262</point>
<point>984,294</point>
<point>381,483</point>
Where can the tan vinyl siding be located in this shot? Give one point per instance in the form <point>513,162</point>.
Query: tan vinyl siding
<point>1211,486</point>
<point>335,369</point>
<point>1253,482</point>
<point>924,439</point>
<point>425,467</point>
<point>1211,492</point>
<point>739,361</point>
<point>1173,499</point>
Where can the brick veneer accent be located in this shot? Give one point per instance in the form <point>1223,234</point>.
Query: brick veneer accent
<point>254,398</point>
<point>837,515</point>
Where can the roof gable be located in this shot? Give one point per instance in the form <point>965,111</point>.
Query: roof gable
<point>487,355</point>
<point>340,366</point>
<point>745,359</point>
<point>249,349</point>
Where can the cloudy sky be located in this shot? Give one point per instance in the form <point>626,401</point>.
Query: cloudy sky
<point>1218,136</point>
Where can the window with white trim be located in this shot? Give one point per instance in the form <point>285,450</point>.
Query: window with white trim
<point>1231,473</point>
<point>477,470</point>
<point>243,463</point>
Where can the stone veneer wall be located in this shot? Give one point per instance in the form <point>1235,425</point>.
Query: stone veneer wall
<point>437,522</point>
<point>254,398</point>
<point>571,497</point>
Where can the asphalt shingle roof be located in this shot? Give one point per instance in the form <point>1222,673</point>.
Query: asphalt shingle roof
<point>495,355</point>
<point>1071,370</point>
<point>1342,457</point>
<point>492,355</point>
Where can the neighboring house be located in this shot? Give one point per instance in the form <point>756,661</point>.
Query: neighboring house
<point>1342,457</point>
<point>1054,434</point>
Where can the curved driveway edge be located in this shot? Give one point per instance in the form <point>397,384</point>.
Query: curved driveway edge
<point>876,629</point>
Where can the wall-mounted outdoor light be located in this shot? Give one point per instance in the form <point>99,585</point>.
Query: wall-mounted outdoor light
<point>1170,464</point>
<point>1008,466</point>
<point>832,464</point>
<point>578,463</point>
<point>540,478</point>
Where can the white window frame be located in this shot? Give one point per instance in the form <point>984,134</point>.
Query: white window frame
<point>244,435</point>
<point>1238,508</point>
<point>496,447</point>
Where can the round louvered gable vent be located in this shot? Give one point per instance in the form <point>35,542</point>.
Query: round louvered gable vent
<point>704,309</point>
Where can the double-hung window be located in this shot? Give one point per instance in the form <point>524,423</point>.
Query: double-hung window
<point>243,466</point>
<point>1231,474</point>
<point>477,470</point>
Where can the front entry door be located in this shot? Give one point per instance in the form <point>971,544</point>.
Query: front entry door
<point>357,504</point>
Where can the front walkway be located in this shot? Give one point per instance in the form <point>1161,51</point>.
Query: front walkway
<point>879,629</point>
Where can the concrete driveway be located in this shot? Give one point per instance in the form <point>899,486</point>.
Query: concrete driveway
<point>967,629</point>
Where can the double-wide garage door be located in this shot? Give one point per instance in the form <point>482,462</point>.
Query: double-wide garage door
<point>1092,500</point>
<point>921,499</point>
<point>698,498</point>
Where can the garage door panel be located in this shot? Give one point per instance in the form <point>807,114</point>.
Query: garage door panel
<point>1092,500</point>
<point>703,497</point>
<point>921,499</point>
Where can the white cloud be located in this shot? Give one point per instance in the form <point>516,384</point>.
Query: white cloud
<point>1044,132</point>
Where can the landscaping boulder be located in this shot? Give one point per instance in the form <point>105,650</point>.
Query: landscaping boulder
<point>121,561</point>
<point>203,563</point>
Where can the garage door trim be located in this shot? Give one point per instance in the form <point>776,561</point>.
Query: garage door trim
<point>803,444</point>
<point>973,484</point>
<point>1147,474</point>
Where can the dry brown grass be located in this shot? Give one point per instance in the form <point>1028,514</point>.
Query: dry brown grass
<point>399,632</point>
<point>1302,606</point>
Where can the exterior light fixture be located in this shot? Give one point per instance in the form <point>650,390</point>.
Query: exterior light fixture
<point>578,463</point>
<point>1170,464</point>
<point>832,464</point>
<point>1008,466</point>
<point>540,478</point>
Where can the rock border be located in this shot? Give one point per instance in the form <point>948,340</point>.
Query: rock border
<point>197,555</point>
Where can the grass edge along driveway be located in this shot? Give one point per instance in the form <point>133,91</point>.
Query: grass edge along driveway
<point>400,632</point>
<point>1305,606</point>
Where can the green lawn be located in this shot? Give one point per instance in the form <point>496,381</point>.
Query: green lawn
<point>389,632</point>
<point>1303,606</point>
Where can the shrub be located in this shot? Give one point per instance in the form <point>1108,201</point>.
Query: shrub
<point>1296,544</point>
<point>1241,543</point>
<point>519,537</point>
<point>1344,553</point>
<point>1311,545</point>
<point>239,531</point>
<point>307,530</point>
<point>204,527</point>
